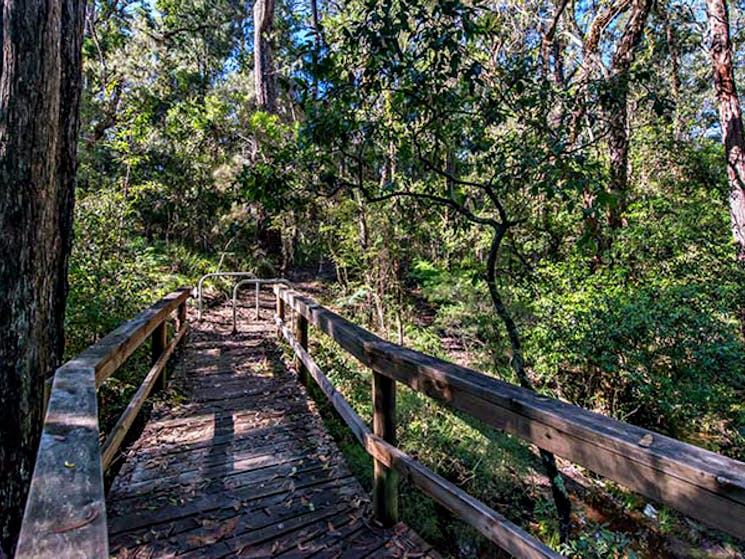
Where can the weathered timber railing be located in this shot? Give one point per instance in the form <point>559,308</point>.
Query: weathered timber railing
<point>65,513</point>
<point>699,483</point>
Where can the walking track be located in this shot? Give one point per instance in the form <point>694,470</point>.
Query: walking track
<point>239,463</point>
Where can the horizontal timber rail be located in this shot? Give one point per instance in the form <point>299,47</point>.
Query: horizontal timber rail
<point>489,522</point>
<point>704,485</point>
<point>65,512</point>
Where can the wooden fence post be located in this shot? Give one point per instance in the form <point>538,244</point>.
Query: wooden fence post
<point>280,307</point>
<point>385,483</point>
<point>181,315</point>
<point>301,335</point>
<point>159,340</point>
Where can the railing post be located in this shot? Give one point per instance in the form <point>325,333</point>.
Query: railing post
<point>181,315</point>
<point>159,340</point>
<point>258,287</point>
<point>280,306</point>
<point>385,483</point>
<point>301,335</point>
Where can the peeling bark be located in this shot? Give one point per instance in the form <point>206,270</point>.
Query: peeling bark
<point>730,118</point>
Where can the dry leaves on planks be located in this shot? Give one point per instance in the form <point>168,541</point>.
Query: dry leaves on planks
<point>216,532</point>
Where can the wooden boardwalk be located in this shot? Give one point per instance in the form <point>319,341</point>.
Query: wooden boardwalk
<point>240,465</point>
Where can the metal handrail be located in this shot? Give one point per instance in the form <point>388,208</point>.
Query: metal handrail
<point>259,282</point>
<point>215,274</point>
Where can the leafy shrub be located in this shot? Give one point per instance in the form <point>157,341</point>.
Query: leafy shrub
<point>599,542</point>
<point>657,356</point>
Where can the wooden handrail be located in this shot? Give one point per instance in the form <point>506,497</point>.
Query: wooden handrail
<point>489,522</point>
<point>120,430</point>
<point>65,513</point>
<point>702,484</point>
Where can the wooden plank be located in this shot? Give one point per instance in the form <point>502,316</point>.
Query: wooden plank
<point>406,543</point>
<point>385,480</point>
<point>267,509</point>
<point>334,543</point>
<point>362,544</point>
<point>274,521</point>
<point>248,539</point>
<point>241,468</point>
<point>190,458</point>
<point>281,309</point>
<point>120,430</point>
<point>258,487</point>
<point>65,512</point>
<point>705,485</point>
<point>487,521</point>
<point>305,542</point>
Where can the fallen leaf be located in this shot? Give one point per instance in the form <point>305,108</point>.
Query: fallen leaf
<point>223,530</point>
<point>90,517</point>
<point>646,441</point>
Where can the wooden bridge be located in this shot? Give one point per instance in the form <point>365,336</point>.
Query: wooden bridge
<point>241,465</point>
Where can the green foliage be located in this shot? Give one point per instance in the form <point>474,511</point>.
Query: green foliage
<point>113,274</point>
<point>599,542</point>
<point>655,356</point>
<point>656,337</point>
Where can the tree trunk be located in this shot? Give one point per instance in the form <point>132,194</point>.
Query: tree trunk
<point>39,98</point>
<point>672,45</point>
<point>616,110</point>
<point>558,489</point>
<point>266,89</point>
<point>730,118</point>
<point>550,46</point>
<point>618,152</point>
<point>316,44</point>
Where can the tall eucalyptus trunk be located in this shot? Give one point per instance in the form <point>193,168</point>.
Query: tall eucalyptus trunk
<point>730,118</point>
<point>40,81</point>
<point>264,73</point>
<point>615,105</point>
